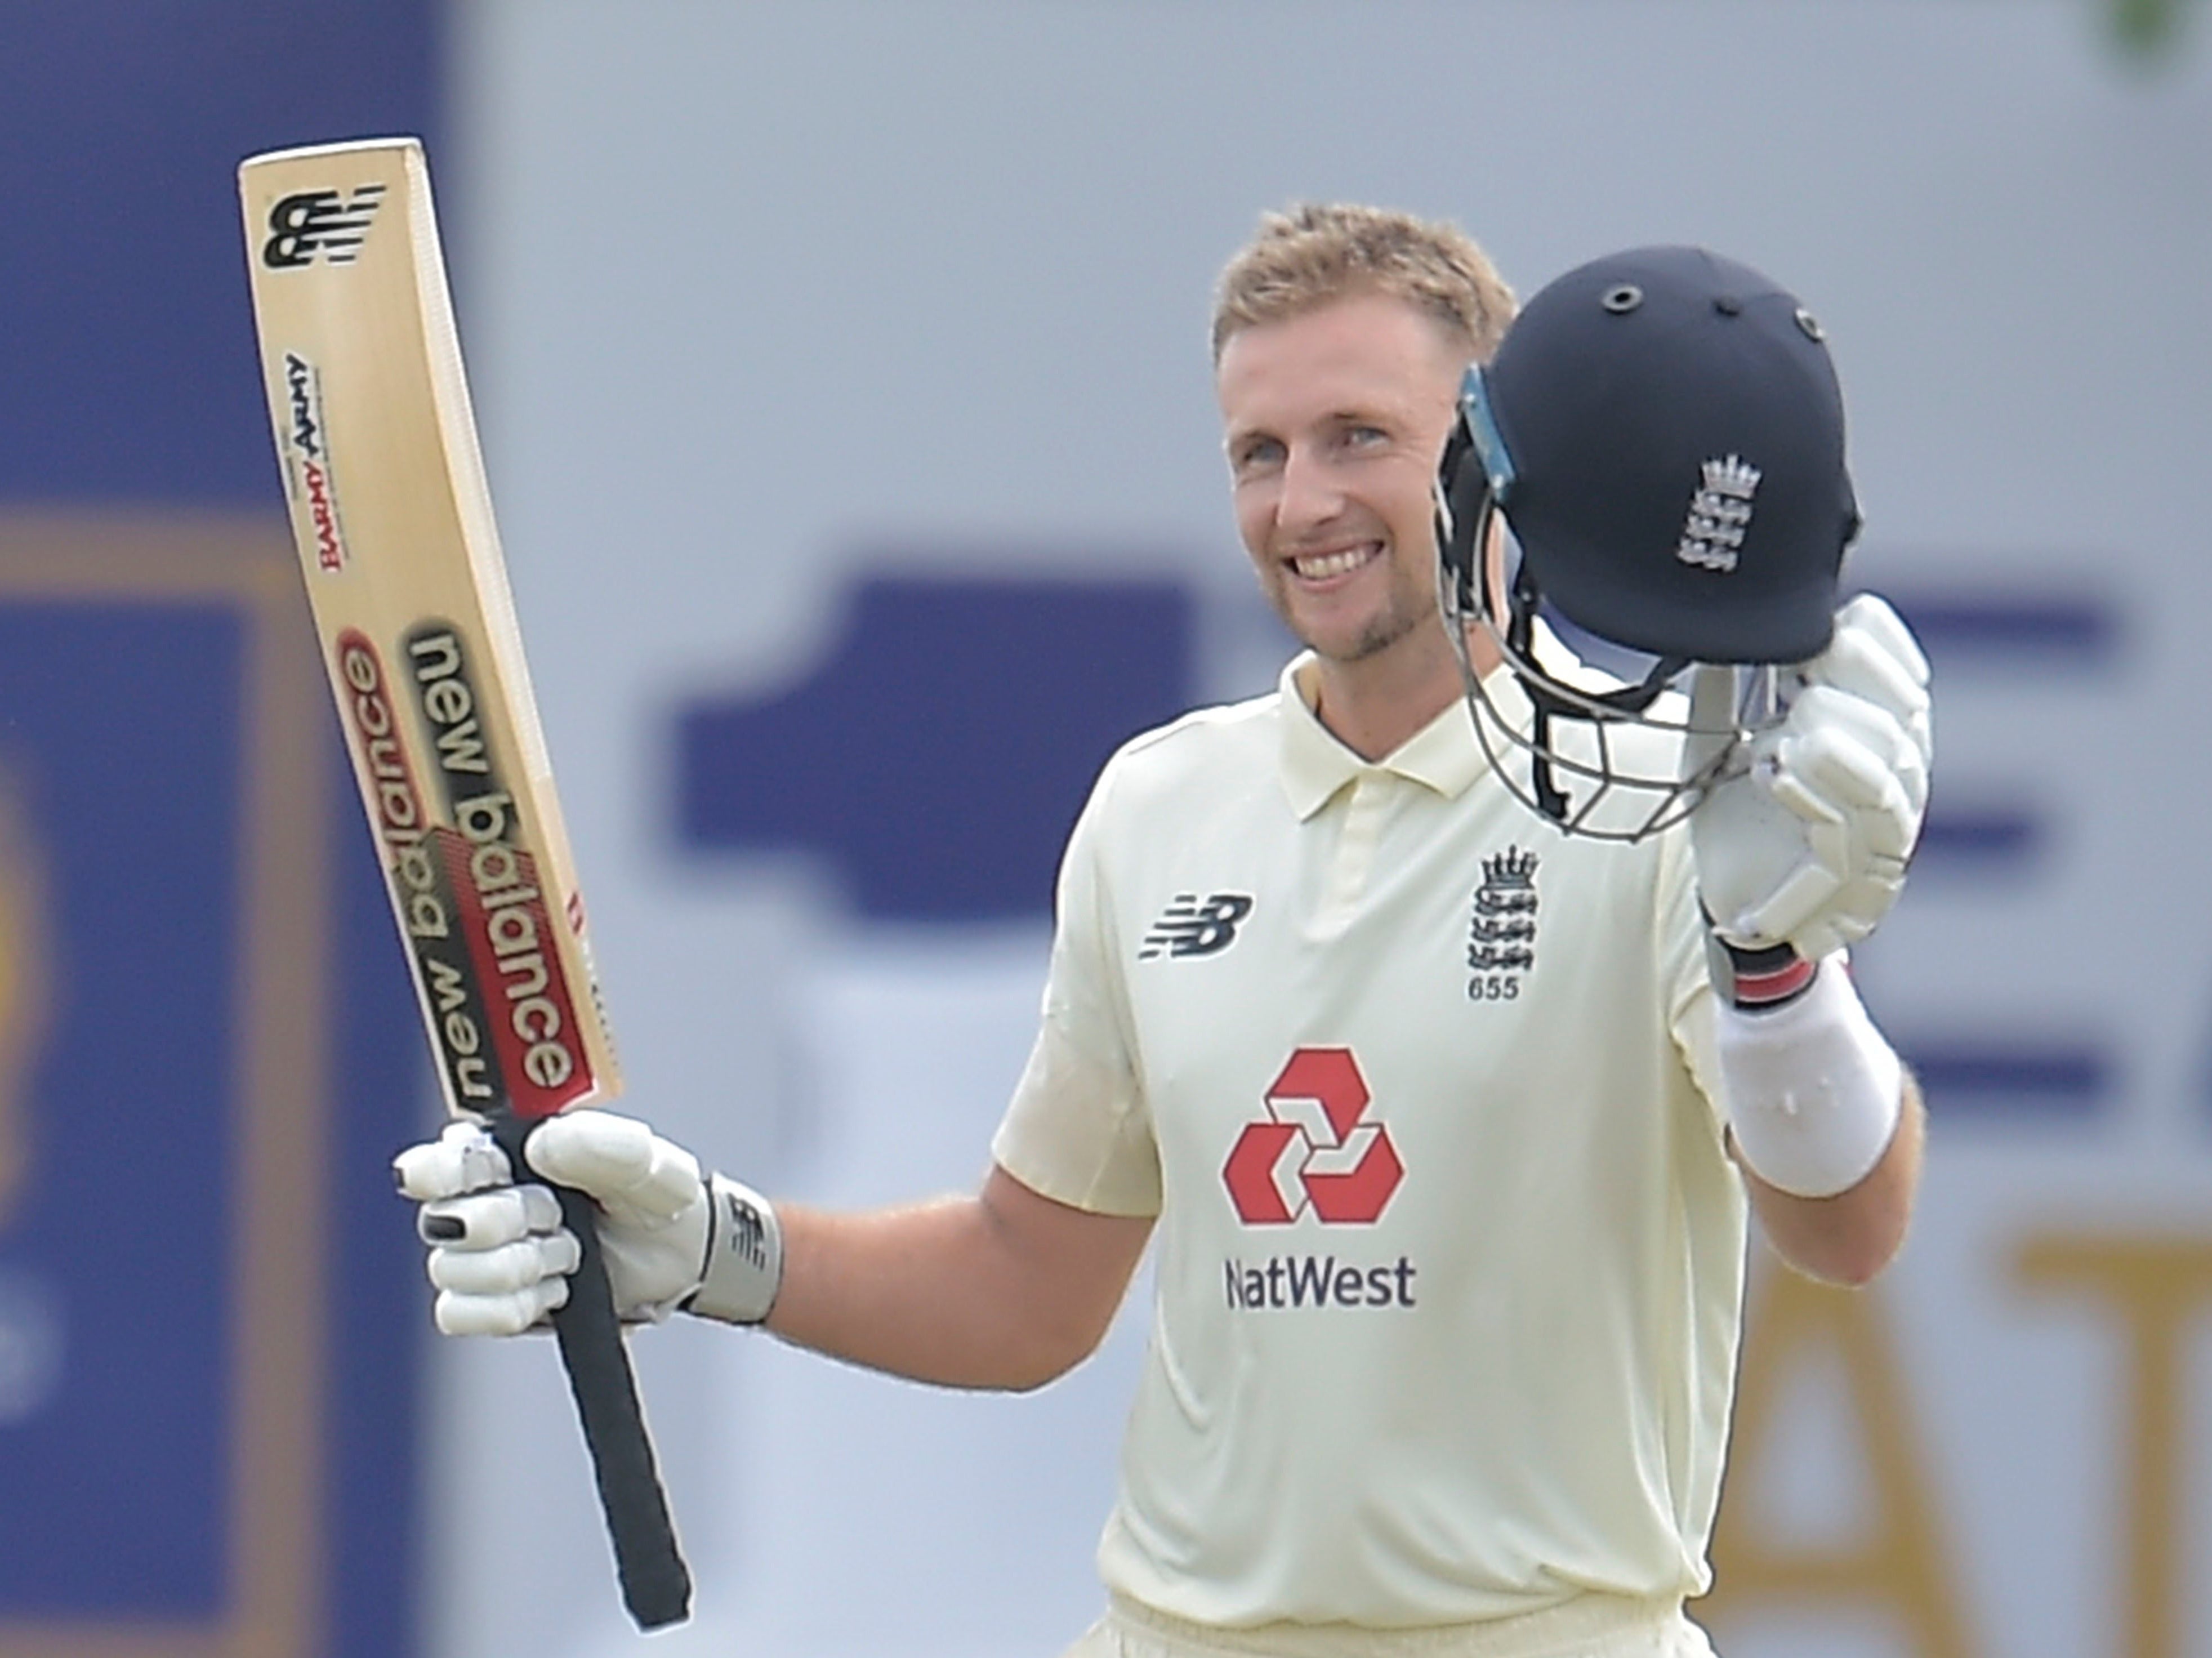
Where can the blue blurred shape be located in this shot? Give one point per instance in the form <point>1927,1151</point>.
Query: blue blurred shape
<point>130,368</point>
<point>939,753</point>
<point>1990,633</point>
<point>128,1216</point>
<point>1981,837</point>
<point>2033,1076</point>
<point>195,987</point>
<point>1985,632</point>
<point>1996,629</point>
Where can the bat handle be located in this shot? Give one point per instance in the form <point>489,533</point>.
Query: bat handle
<point>656,1584</point>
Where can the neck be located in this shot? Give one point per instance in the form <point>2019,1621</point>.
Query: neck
<point>1373,705</point>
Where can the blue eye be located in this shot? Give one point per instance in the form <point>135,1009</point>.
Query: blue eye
<point>1257,451</point>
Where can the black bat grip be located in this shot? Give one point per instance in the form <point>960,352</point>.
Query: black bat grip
<point>656,1584</point>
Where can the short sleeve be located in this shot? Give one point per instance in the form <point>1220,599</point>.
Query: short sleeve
<point>1078,1130</point>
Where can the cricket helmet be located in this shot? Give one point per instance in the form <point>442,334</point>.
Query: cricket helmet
<point>1660,436</point>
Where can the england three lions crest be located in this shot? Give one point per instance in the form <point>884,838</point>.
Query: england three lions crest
<point>1501,940</point>
<point>1719,515</point>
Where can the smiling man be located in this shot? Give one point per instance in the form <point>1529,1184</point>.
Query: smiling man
<point>1334,418</point>
<point>1337,390</point>
<point>1447,1137</point>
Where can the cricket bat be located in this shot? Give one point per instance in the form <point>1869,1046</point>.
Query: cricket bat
<point>392,518</point>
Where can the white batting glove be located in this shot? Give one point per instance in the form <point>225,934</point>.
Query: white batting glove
<point>1808,845</point>
<point>671,1238</point>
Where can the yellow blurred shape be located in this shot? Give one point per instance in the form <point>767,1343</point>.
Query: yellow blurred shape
<point>23,972</point>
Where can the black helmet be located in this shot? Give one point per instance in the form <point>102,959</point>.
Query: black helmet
<point>1662,432</point>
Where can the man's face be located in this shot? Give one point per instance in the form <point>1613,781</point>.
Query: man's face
<point>1333,423</point>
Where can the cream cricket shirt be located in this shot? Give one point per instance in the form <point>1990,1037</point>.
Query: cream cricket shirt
<point>1449,1260</point>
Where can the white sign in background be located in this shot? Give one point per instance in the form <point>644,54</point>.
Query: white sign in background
<point>749,289</point>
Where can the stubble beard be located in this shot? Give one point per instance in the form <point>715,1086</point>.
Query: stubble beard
<point>1387,630</point>
<point>1394,622</point>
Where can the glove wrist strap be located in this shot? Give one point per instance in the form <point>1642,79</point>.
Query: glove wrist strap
<point>743,1266</point>
<point>1756,979</point>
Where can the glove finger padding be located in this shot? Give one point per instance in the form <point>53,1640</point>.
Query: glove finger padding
<point>1874,655</point>
<point>500,1316</point>
<point>521,1265</point>
<point>485,1220</point>
<point>1842,761</point>
<point>636,1176</point>
<point>1874,659</point>
<point>463,1159</point>
<point>655,1211</point>
<point>1808,847</point>
<point>500,1255</point>
<point>501,1258</point>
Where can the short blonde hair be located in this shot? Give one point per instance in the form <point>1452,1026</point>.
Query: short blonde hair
<point>1315,253</point>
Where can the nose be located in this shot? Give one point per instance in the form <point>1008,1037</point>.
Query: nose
<point>1310,496</point>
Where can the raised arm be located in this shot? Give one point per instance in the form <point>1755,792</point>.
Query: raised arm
<point>1798,857</point>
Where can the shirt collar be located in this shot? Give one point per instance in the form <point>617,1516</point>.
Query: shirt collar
<point>1441,757</point>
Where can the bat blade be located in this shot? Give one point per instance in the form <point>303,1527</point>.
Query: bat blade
<point>385,483</point>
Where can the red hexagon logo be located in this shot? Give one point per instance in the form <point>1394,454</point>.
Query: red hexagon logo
<point>1313,1151</point>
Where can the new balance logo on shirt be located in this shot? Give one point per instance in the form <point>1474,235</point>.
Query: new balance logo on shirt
<point>1192,926</point>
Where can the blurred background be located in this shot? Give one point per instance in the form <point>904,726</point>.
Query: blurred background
<point>842,375</point>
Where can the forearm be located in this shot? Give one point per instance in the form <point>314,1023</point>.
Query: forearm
<point>998,1289</point>
<point>910,1290</point>
<point>1849,1237</point>
<point>1823,1118</point>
